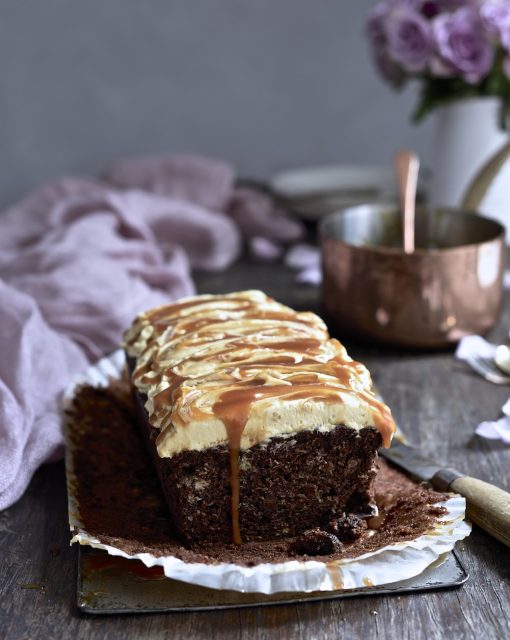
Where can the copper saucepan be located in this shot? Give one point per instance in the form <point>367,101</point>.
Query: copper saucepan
<point>448,287</point>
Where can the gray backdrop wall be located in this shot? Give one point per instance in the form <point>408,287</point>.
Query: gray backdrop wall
<point>266,84</point>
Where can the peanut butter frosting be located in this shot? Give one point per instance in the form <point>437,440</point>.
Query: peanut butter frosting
<point>241,368</point>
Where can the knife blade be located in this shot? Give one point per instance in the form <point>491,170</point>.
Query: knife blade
<point>486,505</point>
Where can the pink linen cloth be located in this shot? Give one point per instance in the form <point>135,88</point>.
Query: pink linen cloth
<point>79,258</point>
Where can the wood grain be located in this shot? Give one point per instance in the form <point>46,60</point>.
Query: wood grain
<point>438,403</point>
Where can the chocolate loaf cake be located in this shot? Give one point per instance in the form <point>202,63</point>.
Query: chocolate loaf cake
<point>260,425</point>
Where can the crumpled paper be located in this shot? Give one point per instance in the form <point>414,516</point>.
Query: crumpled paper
<point>497,429</point>
<point>395,562</point>
<point>474,345</point>
<point>490,429</point>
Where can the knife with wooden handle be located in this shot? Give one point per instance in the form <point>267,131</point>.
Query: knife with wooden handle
<point>487,505</point>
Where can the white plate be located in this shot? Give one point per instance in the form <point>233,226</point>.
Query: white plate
<point>320,180</point>
<point>313,192</point>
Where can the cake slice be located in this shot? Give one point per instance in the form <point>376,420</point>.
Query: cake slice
<point>260,425</point>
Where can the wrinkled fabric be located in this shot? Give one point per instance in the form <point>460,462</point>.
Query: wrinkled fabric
<point>79,258</point>
<point>306,260</point>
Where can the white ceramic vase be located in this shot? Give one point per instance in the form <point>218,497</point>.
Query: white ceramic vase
<point>467,136</point>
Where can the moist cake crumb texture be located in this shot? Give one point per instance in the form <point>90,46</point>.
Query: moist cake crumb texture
<point>120,500</point>
<point>259,424</point>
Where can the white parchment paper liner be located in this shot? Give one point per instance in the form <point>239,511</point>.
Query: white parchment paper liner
<point>392,563</point>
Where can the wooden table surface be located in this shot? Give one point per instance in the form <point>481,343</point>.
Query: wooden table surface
<point>437,402</point>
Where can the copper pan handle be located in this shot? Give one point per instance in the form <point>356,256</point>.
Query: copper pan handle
<point>406,169</point>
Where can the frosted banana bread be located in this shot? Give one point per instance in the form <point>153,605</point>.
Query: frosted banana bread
<point>259,424</point>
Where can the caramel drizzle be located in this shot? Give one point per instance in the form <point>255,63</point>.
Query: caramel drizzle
<point>276,340</point>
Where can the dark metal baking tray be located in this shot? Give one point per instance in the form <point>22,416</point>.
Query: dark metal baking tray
<point>109,585</point>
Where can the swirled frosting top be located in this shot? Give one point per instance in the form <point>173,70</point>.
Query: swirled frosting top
<point>240,368</point>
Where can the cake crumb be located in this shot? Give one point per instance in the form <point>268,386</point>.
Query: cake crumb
<point>316,542</point>
<point>347,527</point>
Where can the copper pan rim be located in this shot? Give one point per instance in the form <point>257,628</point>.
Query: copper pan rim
<point>498,232</point>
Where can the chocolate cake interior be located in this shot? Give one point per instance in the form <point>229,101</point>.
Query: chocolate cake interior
<point>120,501</point>
<point>260,426</point>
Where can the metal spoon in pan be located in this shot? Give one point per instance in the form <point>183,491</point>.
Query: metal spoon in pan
<point>406,169</point>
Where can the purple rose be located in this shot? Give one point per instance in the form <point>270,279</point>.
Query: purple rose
<point>495,16</point>
<point>376,32</point>
<point>378,17</point>
<point>409,37</point>
<point>462,43</point>
<point>375,26</point>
